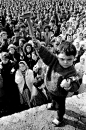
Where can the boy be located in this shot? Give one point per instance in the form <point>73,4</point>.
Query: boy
<point>61,76</point>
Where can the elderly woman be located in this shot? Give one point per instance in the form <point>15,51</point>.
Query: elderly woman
<point>24,78</point>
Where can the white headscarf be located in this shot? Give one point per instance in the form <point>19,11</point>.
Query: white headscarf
<point>80,67</point>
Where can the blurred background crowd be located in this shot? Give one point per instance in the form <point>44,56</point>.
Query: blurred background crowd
<point>22,72</point>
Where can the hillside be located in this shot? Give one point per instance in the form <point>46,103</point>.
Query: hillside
<point>40,118</point>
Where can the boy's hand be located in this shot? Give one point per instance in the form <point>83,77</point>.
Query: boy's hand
<point>37,43</point>
<point>65,84</point>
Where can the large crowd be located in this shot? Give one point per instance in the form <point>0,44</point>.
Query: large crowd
<point>22,71</point>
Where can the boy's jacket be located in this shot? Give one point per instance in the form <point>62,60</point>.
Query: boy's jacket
<point>56,73</point>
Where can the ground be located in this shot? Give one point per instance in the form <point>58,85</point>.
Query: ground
<point>40,118</point>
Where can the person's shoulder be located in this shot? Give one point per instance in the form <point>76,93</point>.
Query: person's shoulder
<point>29,71</point>
<point>76,40</point>
<point>18,72</point>
<point>71,70</point>
<point>77,65</point>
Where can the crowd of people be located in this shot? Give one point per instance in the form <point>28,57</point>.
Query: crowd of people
<point>22,70</point>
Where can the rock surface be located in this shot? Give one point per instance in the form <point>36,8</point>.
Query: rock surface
<point>40,118</point>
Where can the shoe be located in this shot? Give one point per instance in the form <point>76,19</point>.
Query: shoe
<point>50,106</point>
<point>56,122</point>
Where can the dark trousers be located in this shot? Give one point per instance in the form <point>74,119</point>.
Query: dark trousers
<point>58,103</point>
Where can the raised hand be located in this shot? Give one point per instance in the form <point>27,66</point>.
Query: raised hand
<point>37,43</point>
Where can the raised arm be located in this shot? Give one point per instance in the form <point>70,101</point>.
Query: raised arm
<point>44,54</point>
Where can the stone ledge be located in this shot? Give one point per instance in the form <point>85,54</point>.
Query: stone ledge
<point>39,118</point>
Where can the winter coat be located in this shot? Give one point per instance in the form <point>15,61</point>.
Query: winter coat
<point>19,79</point>
<point>9,88</point>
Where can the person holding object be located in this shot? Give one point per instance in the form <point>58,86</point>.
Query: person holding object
<point>61,76</point>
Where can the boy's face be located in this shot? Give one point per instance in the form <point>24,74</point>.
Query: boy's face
<point>65,61</point>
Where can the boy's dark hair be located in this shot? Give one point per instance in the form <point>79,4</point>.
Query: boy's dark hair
<point>68,48</point>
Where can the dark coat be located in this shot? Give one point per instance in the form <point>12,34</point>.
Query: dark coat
<point>10,88</point>
<point>4,46</point>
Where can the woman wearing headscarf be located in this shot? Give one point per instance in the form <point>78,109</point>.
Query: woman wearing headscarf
<point>83,73</point>
<point>28,54</point>
<point>27,50</point>
<point>80,66</point>
<point>24,78</point>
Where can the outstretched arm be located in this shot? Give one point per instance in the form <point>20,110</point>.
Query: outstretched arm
<point>44,54</point>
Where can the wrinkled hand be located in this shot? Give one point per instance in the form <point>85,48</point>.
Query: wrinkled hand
<point>66,84</point>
